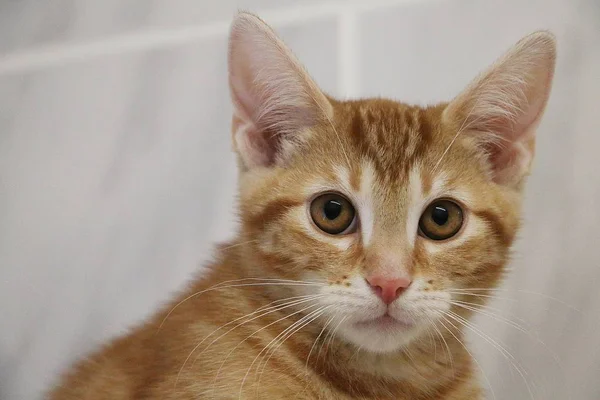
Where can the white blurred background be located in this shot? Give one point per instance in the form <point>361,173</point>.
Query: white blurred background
<point>116,174</point>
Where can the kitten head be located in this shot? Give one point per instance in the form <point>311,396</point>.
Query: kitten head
<point>390,211</point>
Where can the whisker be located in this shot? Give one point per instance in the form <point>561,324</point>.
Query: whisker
<point>255,332</point>
<point>467,324</point>
<point>462,291</point>
<point>483,311</point>
<point>410,357</point>
<point>311,350</point>
<point>432,341</point>
<point>460,130</point>
<point>491,309</point>
<point>283,335</point>
<point>507,354</point>
<point>515,325</point>
<point>356,352</point>
<point>238,244</point>
<point>470,354</point>
<point>291,330</point>
<point>325,339</point>
<point>284,300</point>
<point>484,296</point>
<point>317,340</point>
<point>450,356</point>
<point>269,282</point>
<point>333,333</point>
<point>264,312</point>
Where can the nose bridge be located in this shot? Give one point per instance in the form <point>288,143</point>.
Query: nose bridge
<point>389,254</point>
<point>388,251</point>
<point>388,259</point>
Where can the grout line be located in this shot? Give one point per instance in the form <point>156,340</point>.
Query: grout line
<point>65,53</point>
<point>348,82</point>
<point>54,55</point>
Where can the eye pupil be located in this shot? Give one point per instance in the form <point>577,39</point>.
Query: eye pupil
<point>332,209</point>
<point>333,214</point>
<point>441,220</point>
<point>439,215</point>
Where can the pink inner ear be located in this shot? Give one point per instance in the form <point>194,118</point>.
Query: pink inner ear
<point>503,107</point>
<point>511,154</point>
<point>274,99</point>
<point>510,162</point>
<point>509,141</point>
<point>251,143</point>
<point>243,101</point>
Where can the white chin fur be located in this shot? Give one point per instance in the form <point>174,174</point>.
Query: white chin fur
<point>414,311</point>
<point>376,339</point>
<point>417,315</point>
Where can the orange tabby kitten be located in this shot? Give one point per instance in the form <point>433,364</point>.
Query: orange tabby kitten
<point>367,229</point>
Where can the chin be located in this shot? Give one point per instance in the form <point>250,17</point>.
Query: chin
<point>384,334</point>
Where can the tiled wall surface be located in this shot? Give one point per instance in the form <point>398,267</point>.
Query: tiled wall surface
<point>116,174</point>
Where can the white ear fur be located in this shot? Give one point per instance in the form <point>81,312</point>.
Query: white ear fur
<point>502,108</point>
<point>274,99</point>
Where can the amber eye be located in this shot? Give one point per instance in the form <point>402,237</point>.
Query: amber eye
<point>441,220</point>
<point>332,213</point>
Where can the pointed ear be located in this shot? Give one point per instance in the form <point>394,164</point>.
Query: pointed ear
<point>274,99</point>
<point>502,108</point>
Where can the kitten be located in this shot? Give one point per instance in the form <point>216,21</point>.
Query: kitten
<point>368,230</point>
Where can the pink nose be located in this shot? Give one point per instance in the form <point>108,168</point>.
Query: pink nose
<point>388,289</point>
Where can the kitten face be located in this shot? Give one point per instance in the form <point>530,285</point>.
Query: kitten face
<point>390,211</point>
<point>391,179</point>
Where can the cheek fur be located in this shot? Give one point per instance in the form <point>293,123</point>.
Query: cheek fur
<point>416,204</point>
<point>298,245</point>
<point>475,260</point>
<point>364,201</point>
<point>424,302</point>
<point>294,248</point>
<point>473,230</point>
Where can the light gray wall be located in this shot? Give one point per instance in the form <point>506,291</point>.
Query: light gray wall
<point>116,174</point>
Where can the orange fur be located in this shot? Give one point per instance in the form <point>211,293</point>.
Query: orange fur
<point>218,339</point>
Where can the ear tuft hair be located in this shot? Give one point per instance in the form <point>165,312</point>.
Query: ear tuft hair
<point>502,108</point>
<point>275,100</point>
